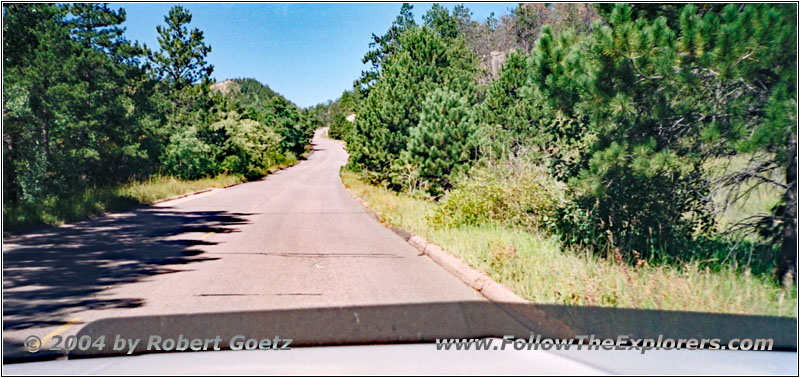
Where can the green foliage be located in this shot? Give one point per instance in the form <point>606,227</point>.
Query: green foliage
<point>514,193</point>
<point>439,19</point>
<point>443,143</point>
<point>287,120</point>
<point>250,99</point>
<point>249,147</point>
<point>625,113</point>
<point>384,45</point>
<point>339,110</point>
<point>181,61</point>
<point>249,93</point>
<point>75,101</point>
<point>189,157</point>
<point>340,126</point>
<point>506,114</point>
<point>423,62</point>
<point>82,110</point>
<point>626,116</point>
<point>538,267</point>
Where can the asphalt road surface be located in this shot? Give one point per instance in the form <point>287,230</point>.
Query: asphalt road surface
<point>296,239</point>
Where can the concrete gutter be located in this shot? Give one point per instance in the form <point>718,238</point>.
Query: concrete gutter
<point>482,283</point>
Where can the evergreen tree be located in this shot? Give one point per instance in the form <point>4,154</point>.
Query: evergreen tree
<point>629,114</point>
<point>182,59</point>
<point>82,110</point>
<point>96,25</point>
<point>444,142</point>
<point>341,109</point>
<point>506,114</point>
<point>439,19</point>
<point>184,74</point>
<point>72,118</point>
<point>384,45</point>
<point>30,71</point>
<point>424,62</point>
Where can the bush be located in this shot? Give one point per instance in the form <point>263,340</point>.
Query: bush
<point>512,193</point>
<point>649,204</point>
<point>188,157</point>
<point>340,126</point>
<point>250,147</point>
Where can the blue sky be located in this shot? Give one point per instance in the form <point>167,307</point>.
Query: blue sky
<point>309,53</point>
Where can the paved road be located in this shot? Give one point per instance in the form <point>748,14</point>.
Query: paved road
<point>296,239</point>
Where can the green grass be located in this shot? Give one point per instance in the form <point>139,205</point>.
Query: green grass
<point>162,187</point>
<point>759,201</point>
<point>539,268</point>
<point>94,201</point>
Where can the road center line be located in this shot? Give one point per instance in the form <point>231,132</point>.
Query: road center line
<point>59,331</point>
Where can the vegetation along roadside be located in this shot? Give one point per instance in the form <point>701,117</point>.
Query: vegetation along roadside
<point>126,124</point>
<point>635,155</point>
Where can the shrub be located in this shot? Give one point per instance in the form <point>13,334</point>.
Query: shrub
<point>250,147</point>
<point>513,193</point>
<point>188,157</point>
<point>340,126</point>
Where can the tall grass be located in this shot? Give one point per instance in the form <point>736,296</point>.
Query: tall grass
<point>93,201</point>
<point>539,268</point>
<point>760,200</point>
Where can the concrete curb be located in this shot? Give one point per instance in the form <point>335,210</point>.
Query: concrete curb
<point>482,283</point>
<point>184,195</point>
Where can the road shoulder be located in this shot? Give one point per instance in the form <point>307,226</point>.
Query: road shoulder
<point>485,285</point>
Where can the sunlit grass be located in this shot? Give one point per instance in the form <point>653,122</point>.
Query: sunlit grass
<point>760,200</point>
<point>539,268</point>
<point>161,187</point>
<point>94,201</point>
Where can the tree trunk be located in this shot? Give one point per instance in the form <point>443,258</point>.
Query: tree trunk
<point>45,135</point>
<point>787,261</point>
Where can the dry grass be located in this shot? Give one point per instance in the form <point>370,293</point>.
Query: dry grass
<point>161,187</point>
<point>540,269</point>
<point>759,201</point>
<point>94,201</point>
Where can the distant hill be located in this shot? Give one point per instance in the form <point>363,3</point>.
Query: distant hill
<point>247,91</point>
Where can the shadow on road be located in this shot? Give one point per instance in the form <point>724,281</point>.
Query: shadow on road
<point>54,272</point>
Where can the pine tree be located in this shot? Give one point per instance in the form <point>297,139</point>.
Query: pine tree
<point>444,142</point>
<point>30,70</point>
<point>97,25</point>
<point>74,119</point>
<point>182,59</point>
<point>384,45</point>
<point>439,19</point>
<point>424,62</point>
<point>629,114</point>
<point>506,113</point>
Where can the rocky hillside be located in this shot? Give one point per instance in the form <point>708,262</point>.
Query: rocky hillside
<point>247,91</point>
